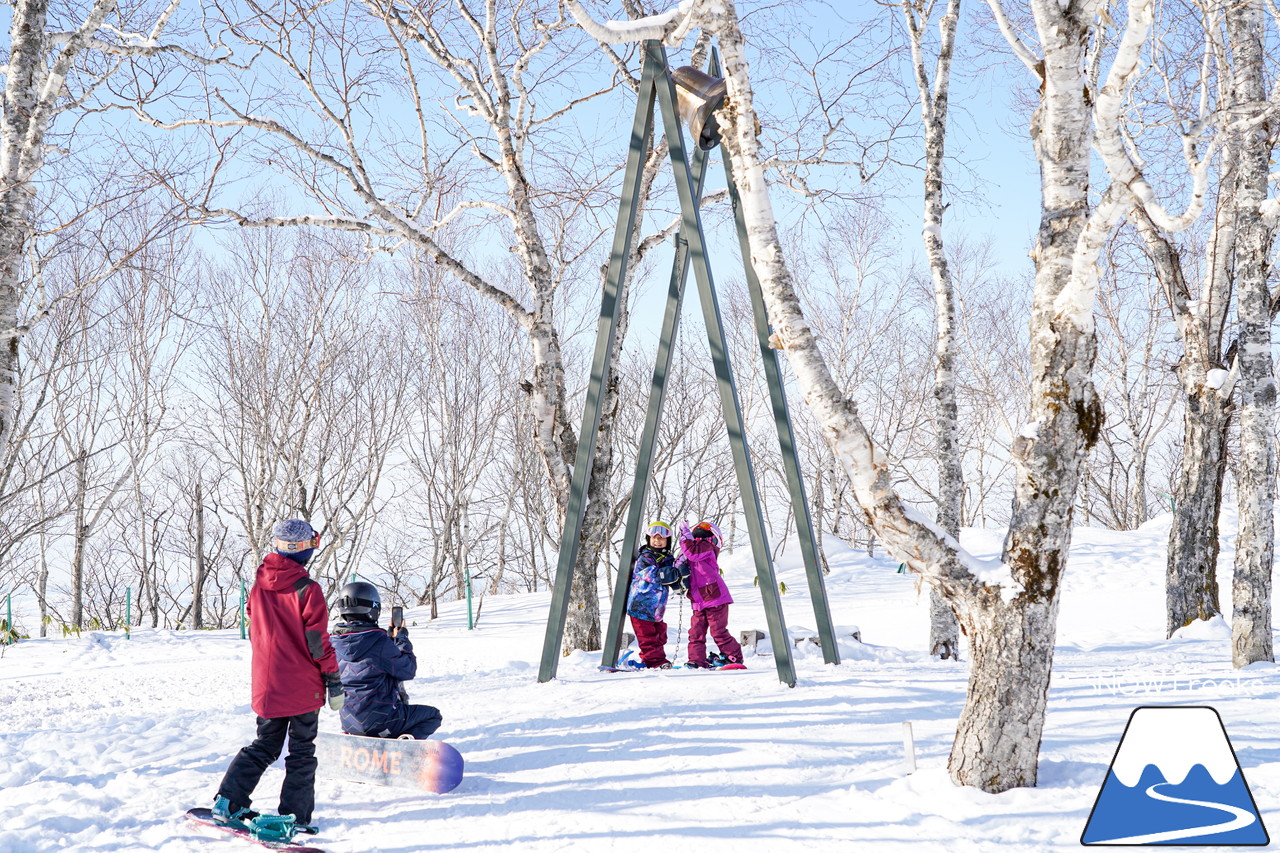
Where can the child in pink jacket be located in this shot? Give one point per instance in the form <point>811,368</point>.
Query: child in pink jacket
<point>709,595</point>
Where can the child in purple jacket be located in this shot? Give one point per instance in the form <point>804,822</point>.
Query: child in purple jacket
<point>709,595</point>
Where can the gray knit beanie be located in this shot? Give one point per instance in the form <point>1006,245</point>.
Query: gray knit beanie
<point>293,535</point>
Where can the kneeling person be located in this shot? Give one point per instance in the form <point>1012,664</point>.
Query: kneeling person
<point>373,663</point>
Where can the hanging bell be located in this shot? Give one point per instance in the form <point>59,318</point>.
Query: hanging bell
<point>698,96</point>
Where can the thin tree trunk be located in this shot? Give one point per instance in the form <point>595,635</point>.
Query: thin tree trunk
<point>1255,543</point>
<point>78,542</point>
<point>197,581</point>
<point>1191,572</point>
<point>17,193</point>
<point>1191,576</point>
<point>944,636</point>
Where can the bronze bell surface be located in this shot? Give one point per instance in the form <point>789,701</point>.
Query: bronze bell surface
<point>698,96</point>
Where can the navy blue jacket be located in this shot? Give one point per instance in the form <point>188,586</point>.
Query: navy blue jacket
<point>372,665</point>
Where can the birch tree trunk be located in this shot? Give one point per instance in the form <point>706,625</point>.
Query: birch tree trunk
<point>1255,543</point>
<point>198,572</point>
<point>78,540</point>
<point>1191,574</point>
<point>944,638</point>
<point>36,93</point>
<point>998,733</point>
<point>21,154</point>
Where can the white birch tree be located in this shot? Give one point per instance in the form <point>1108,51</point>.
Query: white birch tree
<point>57,59</point>
<point>1008,609</point>
<point>1255,542</point>
<point>944,637</point>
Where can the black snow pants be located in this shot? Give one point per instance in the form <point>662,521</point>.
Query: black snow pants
<point>298,793</point>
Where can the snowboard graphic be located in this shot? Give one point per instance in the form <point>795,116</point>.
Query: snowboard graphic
<point>204,817</point>
<point>425,765</point>
<point>1175,779</point>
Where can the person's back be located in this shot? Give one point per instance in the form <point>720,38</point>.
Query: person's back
<point>294,666</point>
<point>286,609</point>
<point>372,665</point>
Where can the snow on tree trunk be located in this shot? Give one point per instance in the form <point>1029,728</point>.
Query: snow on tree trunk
<point>1255,543</point>
<point>944,637</point>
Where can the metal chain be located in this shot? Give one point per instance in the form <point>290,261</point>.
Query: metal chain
<point>679,626</point>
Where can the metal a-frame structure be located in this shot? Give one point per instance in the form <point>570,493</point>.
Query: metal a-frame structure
<point>656,84</point>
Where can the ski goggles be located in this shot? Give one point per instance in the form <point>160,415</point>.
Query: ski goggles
<point>658,528</point>
<point>295,547</point>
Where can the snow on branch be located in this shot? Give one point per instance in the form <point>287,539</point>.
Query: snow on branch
<point>669,27</point>
<point>1270,210</point>
<point>1110,143</point>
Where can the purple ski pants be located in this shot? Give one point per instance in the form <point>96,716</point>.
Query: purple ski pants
<point>716,620</point>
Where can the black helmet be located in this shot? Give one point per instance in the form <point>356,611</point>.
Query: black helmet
<point>360,602</point>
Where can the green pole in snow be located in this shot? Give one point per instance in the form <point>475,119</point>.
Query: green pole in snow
<point>242,625</point>
<point>8,611</point>
<point>471,622</point>
<point>128,611</point>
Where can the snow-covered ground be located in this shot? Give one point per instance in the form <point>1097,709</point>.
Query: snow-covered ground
<point>105,741</point>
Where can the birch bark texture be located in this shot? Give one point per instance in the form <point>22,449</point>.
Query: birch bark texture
<point>1255,542</point>
<point>1191,573</point>
<point>944,636</point>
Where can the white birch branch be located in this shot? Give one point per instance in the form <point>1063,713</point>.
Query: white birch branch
<point>1109,140</point>
<point>1020,49</point>
<point>669,27</point>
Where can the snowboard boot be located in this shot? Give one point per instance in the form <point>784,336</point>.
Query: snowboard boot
<point>227,815</point>
<point>701,664</point>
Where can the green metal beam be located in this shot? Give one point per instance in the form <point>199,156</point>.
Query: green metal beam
<point>691,225</point>
<point>786,434</point>
<point>649,435</point>
<point>606,327</point>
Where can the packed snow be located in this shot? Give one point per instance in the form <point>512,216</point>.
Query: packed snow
<point>106,740</point>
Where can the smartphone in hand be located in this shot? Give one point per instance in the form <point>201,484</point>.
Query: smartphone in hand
<point>397,617</point>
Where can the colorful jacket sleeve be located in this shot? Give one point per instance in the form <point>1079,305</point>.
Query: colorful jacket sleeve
<point>315,626</point>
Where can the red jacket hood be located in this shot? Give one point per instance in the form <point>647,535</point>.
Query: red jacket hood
<point>278,572</point>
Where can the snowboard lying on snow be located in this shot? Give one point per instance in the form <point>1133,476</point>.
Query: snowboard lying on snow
<point>424,765</point>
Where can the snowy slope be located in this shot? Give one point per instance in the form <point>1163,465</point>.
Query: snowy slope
<point>104,740</point>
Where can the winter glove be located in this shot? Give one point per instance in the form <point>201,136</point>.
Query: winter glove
<point>677,579</point>
<point>334,685</point>
<point>685,532</point>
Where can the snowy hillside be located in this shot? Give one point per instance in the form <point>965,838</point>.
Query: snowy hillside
<point>104,741</point>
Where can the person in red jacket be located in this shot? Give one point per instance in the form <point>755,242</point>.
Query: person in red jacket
<point>293,667</point>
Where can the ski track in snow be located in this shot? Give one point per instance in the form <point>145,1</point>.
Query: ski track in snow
<point>106,741</point>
